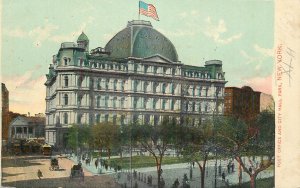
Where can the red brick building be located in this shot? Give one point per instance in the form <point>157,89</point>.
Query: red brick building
<point>5,111</point>
<point>242,102</point>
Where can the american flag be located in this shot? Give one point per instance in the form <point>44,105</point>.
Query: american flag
<point>148,10</point>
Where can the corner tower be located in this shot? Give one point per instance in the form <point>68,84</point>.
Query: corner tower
<point>83,41</point>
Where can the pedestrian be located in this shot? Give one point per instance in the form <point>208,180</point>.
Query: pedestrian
<point>39,174</point>
<point>162,182</point>
<point>228,168</point>
<point>223,176</point>
<point>193,164</point>
<point>96,163</point>
<point>232,167</point>
<point>106,166</point>
<point>160,171</point>
<point>176,183</point>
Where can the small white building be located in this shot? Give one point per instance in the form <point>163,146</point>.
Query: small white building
<point>23,127</point>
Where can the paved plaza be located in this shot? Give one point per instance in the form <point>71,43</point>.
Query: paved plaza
<point>21,171</point>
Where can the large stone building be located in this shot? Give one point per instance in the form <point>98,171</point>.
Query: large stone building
<point>242,102</point>
<point>5,111</point>
<point>137,76</point>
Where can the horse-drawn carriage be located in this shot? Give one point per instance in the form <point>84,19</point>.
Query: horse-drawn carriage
<point>54,164</point>
<point>77,172</point>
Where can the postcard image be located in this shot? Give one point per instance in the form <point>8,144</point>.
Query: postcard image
<point>149,93</point>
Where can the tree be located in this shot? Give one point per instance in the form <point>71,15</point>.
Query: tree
<point>79,136</point>
<point>155,139</point>
<point>247,141</point>
<point>106,135</point>
<point>197,143</point>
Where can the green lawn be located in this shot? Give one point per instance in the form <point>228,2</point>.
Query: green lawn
<point>260,183</point>
<point>144,161</point>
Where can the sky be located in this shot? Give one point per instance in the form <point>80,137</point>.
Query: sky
<point>240,33</point>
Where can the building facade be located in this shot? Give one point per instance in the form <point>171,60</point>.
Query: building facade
<point>136,77</point>
<point>242,102</point>
<point>22,128</point>
<point>5,111</point>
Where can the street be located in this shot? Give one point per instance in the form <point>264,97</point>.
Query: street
<point>21,171</point>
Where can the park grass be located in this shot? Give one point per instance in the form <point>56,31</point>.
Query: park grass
<point>261,183</point>
<point>144,161</point>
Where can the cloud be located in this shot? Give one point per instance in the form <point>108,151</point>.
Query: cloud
<point>178,32</point>
<point>264,51</point>
<point>251,59</point>
<point>214,31</point>
<point>26,92</point>
<point>42,33</point>
<point>17,32</point>
<point>45,32</point>
<point>262,84</point>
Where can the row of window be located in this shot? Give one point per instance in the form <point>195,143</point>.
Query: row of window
<point>121,67</point>
<point>114,119</point>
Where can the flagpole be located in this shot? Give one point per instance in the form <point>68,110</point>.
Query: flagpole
<point>139,11</point>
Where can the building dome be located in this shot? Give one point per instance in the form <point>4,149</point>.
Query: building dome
<point>145,42</point>
<point>82,37</point>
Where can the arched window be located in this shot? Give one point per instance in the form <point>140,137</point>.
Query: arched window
<point>172,104</point>
<point>66,80</point>
<point>145,86</point>
<point>106,118</point>
<point>122,85</point>
<point>65,118</point>
<point>135,86</point>
<point>154,103</point>
<point>99,84</point>
<point>98,101</point>
<point>107,84</point>
<point>172,88</point>
<point>106,101</point>
<point>79,99</point>
<point>79,116</point>
<point>66,99</point>
<point>155,84</point>
<point>199,91</point>
<point>80,80</point>
<point>136,66</point>
<point>122,119</point>
<point>164,104</point>
<point>115,84</point>
<point>186,106</point>
<point>115,119</point>
<point>135,100</point>
<point>98,118</point>
<point>122,102</point>
<point>193,106</point>
<point>65,61</point>
<point>114,102</point>
<point>145,102</point>
<point>145,68</point>
<point>164,86</point>
<point>147,119</point>
<point>156,119</point>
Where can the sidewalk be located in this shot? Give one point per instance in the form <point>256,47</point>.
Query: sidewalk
<point>92,168</point>
<point>173,171</point>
